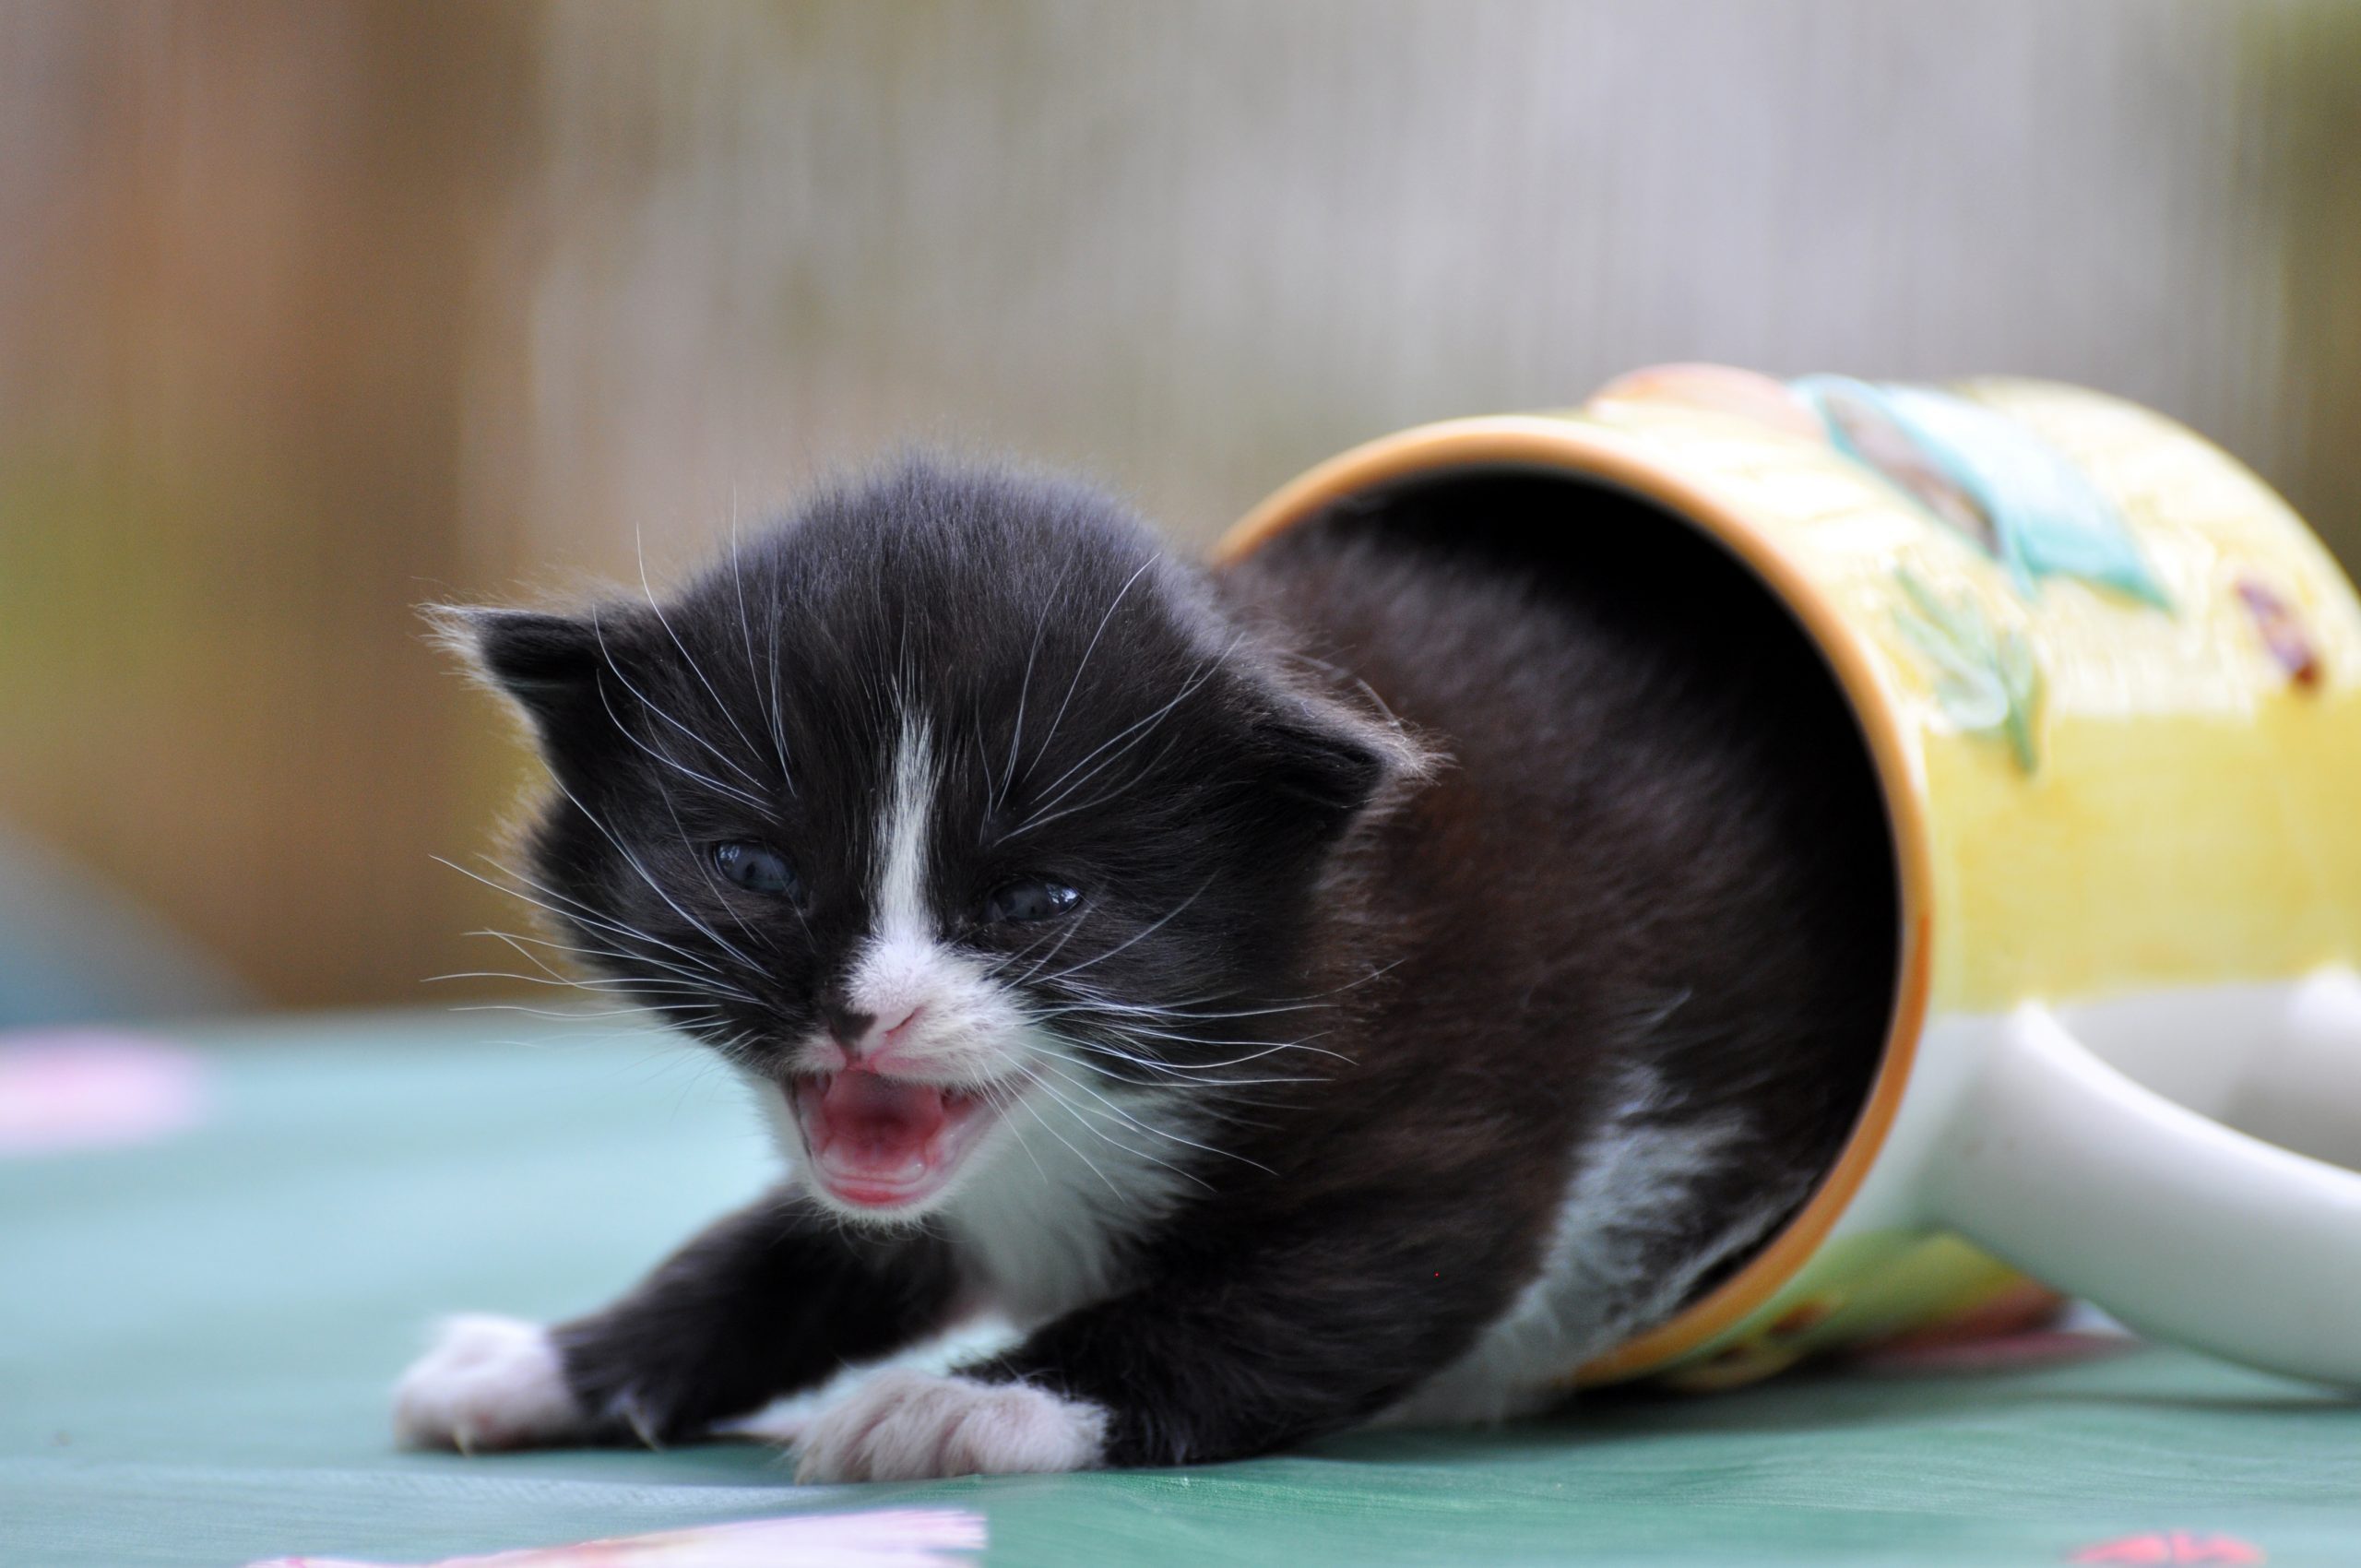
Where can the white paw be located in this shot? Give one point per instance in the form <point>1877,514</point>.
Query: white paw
<point>905,1426</point>
<point>487,1383</point>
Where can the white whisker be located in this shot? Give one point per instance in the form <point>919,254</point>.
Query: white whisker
<point>560,1013</point>
<point>720,707</point>
<point>1034,1111</point>
<point>1074,684</point>
<point>1146,771</point>
<point>694,977</point>
<point>1123,738</point>
<point>579,914</point>
<point>607,655</point>
<point>1134,938</point>
<point>1174,1073</point>
<point>773,716</point>
<point>591,987</point>
<point>633,861</point>
<point>625,730</point>
<point>704,871</point>
<point>1080,1114</point>
<point>1159,1131</point>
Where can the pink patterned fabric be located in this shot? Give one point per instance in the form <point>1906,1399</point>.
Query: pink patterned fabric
<point>894,1538</point>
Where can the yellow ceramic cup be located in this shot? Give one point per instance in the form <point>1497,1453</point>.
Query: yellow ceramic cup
<point>2112,688</point>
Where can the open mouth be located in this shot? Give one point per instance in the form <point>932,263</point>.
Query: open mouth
<point>885,1143</point>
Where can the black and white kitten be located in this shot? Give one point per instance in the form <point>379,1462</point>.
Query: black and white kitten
<point>1366,981</point>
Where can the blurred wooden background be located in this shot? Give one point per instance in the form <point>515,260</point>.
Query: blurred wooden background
<point>311,310</point>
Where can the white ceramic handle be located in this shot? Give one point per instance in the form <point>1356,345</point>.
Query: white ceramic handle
<point>2303,1089</point>
<point>2176,1224</point>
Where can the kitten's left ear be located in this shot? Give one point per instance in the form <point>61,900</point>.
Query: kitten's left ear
<point>1333,759</point>
<point>548,665</point>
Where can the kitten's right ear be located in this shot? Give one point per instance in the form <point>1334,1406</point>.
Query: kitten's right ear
<point>548,665</point>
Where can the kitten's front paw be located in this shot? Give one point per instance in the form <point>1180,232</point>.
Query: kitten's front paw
<point>487,1383</point>
<point>903,1426</point>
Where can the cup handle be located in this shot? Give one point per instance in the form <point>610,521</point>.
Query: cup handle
<point>2178,1225</point>
<point>2303,1089</point>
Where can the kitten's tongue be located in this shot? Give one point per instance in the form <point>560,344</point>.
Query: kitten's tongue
<point>874,1134</point>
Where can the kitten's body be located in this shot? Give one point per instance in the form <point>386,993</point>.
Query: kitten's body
<point>1484,937</point>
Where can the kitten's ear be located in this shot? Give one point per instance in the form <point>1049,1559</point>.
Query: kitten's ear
<point>548,665</point>
<point>1335,760</point>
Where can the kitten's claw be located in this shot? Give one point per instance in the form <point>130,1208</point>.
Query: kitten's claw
<point>902,1425</point>
<point>487,1383</point>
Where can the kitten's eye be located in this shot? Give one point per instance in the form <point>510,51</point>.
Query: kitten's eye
<point>1021,901</point>
<point>757,868</point>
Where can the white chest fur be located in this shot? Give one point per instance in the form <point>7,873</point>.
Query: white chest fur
<point>1042,1228</point>
<point>1596,1286</point>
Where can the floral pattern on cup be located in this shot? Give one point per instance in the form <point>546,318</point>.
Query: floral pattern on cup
<point>1987,681</point>
<point>2281,630</point>
<point>1991,480</point>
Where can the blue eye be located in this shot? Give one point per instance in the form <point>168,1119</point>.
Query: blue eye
<point>757,868</point>
<point>1022,901</point>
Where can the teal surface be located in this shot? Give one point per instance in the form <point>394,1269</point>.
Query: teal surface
<point>197,1336</point>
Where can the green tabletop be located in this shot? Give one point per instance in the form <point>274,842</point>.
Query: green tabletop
<point>198,1327</point>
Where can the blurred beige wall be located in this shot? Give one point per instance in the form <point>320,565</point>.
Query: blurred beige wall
<point>311,311</point>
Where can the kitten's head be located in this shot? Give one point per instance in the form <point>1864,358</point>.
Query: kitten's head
<point>951,800</point>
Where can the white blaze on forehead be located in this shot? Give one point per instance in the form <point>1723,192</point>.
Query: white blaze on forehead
<point>902,966</point>
<point>899,899</point>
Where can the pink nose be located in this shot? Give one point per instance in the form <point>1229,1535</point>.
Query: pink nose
<point>857,1034</point>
